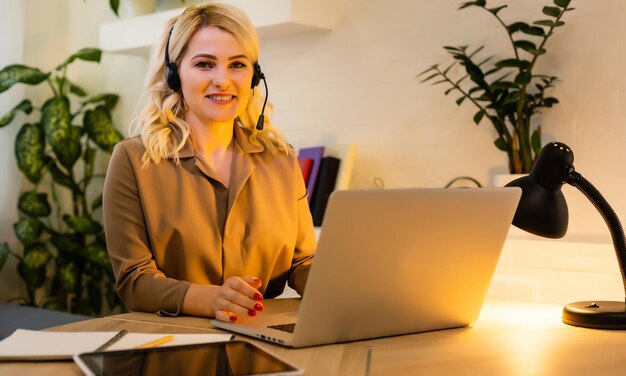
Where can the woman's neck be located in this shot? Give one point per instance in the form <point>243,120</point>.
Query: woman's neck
<point>211,139</point>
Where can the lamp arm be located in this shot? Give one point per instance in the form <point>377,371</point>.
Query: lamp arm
<point>615,227</point>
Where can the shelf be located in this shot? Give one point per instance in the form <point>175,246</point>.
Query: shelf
<point>271,18</point>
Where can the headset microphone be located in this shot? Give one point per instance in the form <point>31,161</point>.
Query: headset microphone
<point>258,76</point>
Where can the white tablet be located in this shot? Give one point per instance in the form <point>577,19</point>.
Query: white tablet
<point>234,358</point>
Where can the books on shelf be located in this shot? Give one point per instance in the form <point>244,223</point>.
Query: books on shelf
<point>315,154</point>
<point>325,169</point>
<point>324,186</point>
<point>305,166</point>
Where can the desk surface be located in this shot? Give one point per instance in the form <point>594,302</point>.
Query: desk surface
<point>508,339</point>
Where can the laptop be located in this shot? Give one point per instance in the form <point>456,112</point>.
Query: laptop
<point>392,262</point>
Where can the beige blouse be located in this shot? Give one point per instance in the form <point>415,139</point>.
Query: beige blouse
<point>169,225</point>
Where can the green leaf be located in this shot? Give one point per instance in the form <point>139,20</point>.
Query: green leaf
<point>460,100</point>
<point>478,3</point>
<point>25,106</point>
<point>110,100</point>
<point>562,3</point>
<point>479,116</point>
<point>449,90</point>
<point>504,85</point>
<point>77,90</point>
<point>525,45</point>
<point>61,178</point>
<point>34,204</point>
<point>535,141</point>
<point>552,11</point>
<point>549,23</point>
<point>511,97</point>
<point>54,305</point>
<point>29,151</point>
<point>115,6</point>
<point>34,278</point>
<point>97,254</point>
<point>523,78</point>
<point>517,26</point>
<point>86,54</point>
<point>4,254</point>
<point>534,30</point>
<point>497,9</point>
<point>550,101</point>
<point>513,63</point>
<point>430,77</point>
<point>82,224</point>
<point>69,244</point>
<point>67,277</point>
<point>56,121</point>
<point>100,129</point>
<point>27,230</point>
<point>97,202</point>
<point>89,156</point>
<point>36,256</point>
<point>501,144</point>
<point>537,52</point>
<point>12,74</point>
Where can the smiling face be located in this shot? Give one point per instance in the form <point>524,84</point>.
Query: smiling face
<point>215,74</point>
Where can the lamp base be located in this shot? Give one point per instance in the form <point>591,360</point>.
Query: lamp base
<point>596,315</point>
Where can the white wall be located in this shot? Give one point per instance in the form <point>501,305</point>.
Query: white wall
<point>357,85</point>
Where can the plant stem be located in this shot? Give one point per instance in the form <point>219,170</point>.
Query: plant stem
<point>56,94</point>
<point>15,255</point>
<point>523,121</point>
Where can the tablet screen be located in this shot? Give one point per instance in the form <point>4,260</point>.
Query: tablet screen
<point>221,358</point>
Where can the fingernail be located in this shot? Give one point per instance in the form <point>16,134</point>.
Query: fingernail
<point>233,318</point>
<point>259,307</point>
<point>256,280</point>
<point>258,297</point>
<point>251,312</point>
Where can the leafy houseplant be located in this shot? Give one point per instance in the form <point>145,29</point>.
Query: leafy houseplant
<point>508,93</point>
<point>53,152</point>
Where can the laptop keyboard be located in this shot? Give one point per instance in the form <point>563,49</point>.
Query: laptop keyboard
<point>284,327</point>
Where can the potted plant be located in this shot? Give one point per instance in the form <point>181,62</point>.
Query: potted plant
<point>56,150</point>
<point>508,93</point>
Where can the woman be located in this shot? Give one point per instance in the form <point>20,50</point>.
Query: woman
<point>204,214</point>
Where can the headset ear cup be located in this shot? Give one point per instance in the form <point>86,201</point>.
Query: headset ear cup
<point>257,76</point>
<point>171,76</point>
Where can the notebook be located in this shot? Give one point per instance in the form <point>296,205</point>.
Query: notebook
<point>392,262</point>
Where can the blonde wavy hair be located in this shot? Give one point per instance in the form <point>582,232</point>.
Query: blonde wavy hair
<point>163,129</point>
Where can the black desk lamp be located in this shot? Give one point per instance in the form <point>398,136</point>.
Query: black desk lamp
<point>542,210</point>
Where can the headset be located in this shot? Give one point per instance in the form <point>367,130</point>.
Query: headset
<point>173,79</point>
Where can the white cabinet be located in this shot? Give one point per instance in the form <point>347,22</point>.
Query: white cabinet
<point>272,18</point>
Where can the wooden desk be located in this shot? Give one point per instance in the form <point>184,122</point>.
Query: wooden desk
<point>508,339</point>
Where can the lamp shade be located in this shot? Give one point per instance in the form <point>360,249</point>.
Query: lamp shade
<point>542,209</point>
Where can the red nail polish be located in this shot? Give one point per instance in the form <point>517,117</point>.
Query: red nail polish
<point>258,297</point>
<point>259,307</point>
<point>251,312</point>
<point>233,318</point>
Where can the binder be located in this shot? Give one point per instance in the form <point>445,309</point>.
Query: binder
<point>325,185</point>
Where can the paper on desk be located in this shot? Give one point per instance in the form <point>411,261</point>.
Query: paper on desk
<point>37,345</point>
<point>132,340</point>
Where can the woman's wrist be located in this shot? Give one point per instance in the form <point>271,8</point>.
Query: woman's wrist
<point>198,300</point>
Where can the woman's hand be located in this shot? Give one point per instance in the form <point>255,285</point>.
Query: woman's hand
<point>237,297</point>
